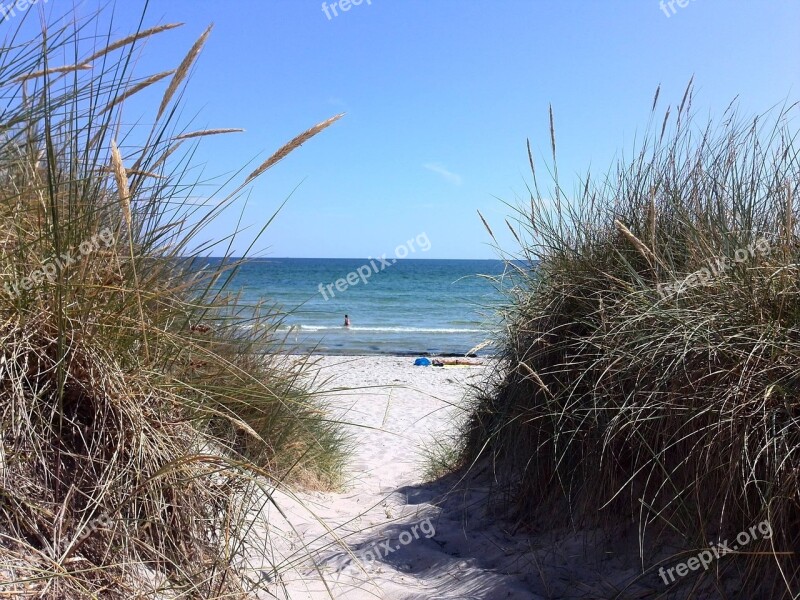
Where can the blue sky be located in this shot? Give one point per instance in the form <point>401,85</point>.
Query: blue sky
<point>440,97</point>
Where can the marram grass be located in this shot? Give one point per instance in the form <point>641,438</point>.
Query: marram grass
<point>138,418</point>
<point>677,411</point>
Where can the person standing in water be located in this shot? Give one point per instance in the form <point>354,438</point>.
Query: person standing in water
<point>346,321</point>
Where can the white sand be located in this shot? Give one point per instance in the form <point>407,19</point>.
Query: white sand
<point>399,410</point>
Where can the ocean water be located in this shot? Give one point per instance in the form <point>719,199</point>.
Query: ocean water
<point>413,306</point>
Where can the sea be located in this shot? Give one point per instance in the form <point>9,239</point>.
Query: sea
<point>407,307</point>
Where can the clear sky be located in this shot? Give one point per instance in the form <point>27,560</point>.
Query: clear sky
<point>440,97</point>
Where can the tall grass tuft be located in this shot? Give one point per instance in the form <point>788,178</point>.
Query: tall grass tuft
<point>136,409</point>
<point>651,362</point>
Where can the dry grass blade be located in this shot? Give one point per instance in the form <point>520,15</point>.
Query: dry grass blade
<point>123,187</point>
<point>121,177</point>
<point>530,157</point>
<point>53,71</point>
<point>635,242</point>
<point>789,215</point>
<point>133,38</point>
<point>664,124</point>
<point>172,149</point>
<point>686,95</point>
<point>140,173</point>
<point>292,145</point>
<point>485,224</point>
<point>535,376</point>
<point>136,89</point>
<point>134,172</point>
<point>514,233</point>
<point>205,132</point>
<point>479,347</point>
<point>651,217</point>
<point>183,70</point>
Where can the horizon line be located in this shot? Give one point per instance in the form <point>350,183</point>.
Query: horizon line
<point>339,258</point>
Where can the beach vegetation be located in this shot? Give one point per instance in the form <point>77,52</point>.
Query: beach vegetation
<point>676,413</point>
<point>143,406</point>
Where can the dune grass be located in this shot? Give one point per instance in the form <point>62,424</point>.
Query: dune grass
<point>139,399</point>
<point>652,349</point>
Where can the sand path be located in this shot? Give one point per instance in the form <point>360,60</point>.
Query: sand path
<point>375,539</point>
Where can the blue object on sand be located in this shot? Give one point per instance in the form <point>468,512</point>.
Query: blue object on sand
<point>422,362</point>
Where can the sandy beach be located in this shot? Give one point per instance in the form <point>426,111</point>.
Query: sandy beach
<point>389,534</point>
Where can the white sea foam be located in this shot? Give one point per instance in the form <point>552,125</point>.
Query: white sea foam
<point>311,328</point>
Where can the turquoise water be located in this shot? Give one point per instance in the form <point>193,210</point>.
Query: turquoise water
<point>409,307</point>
